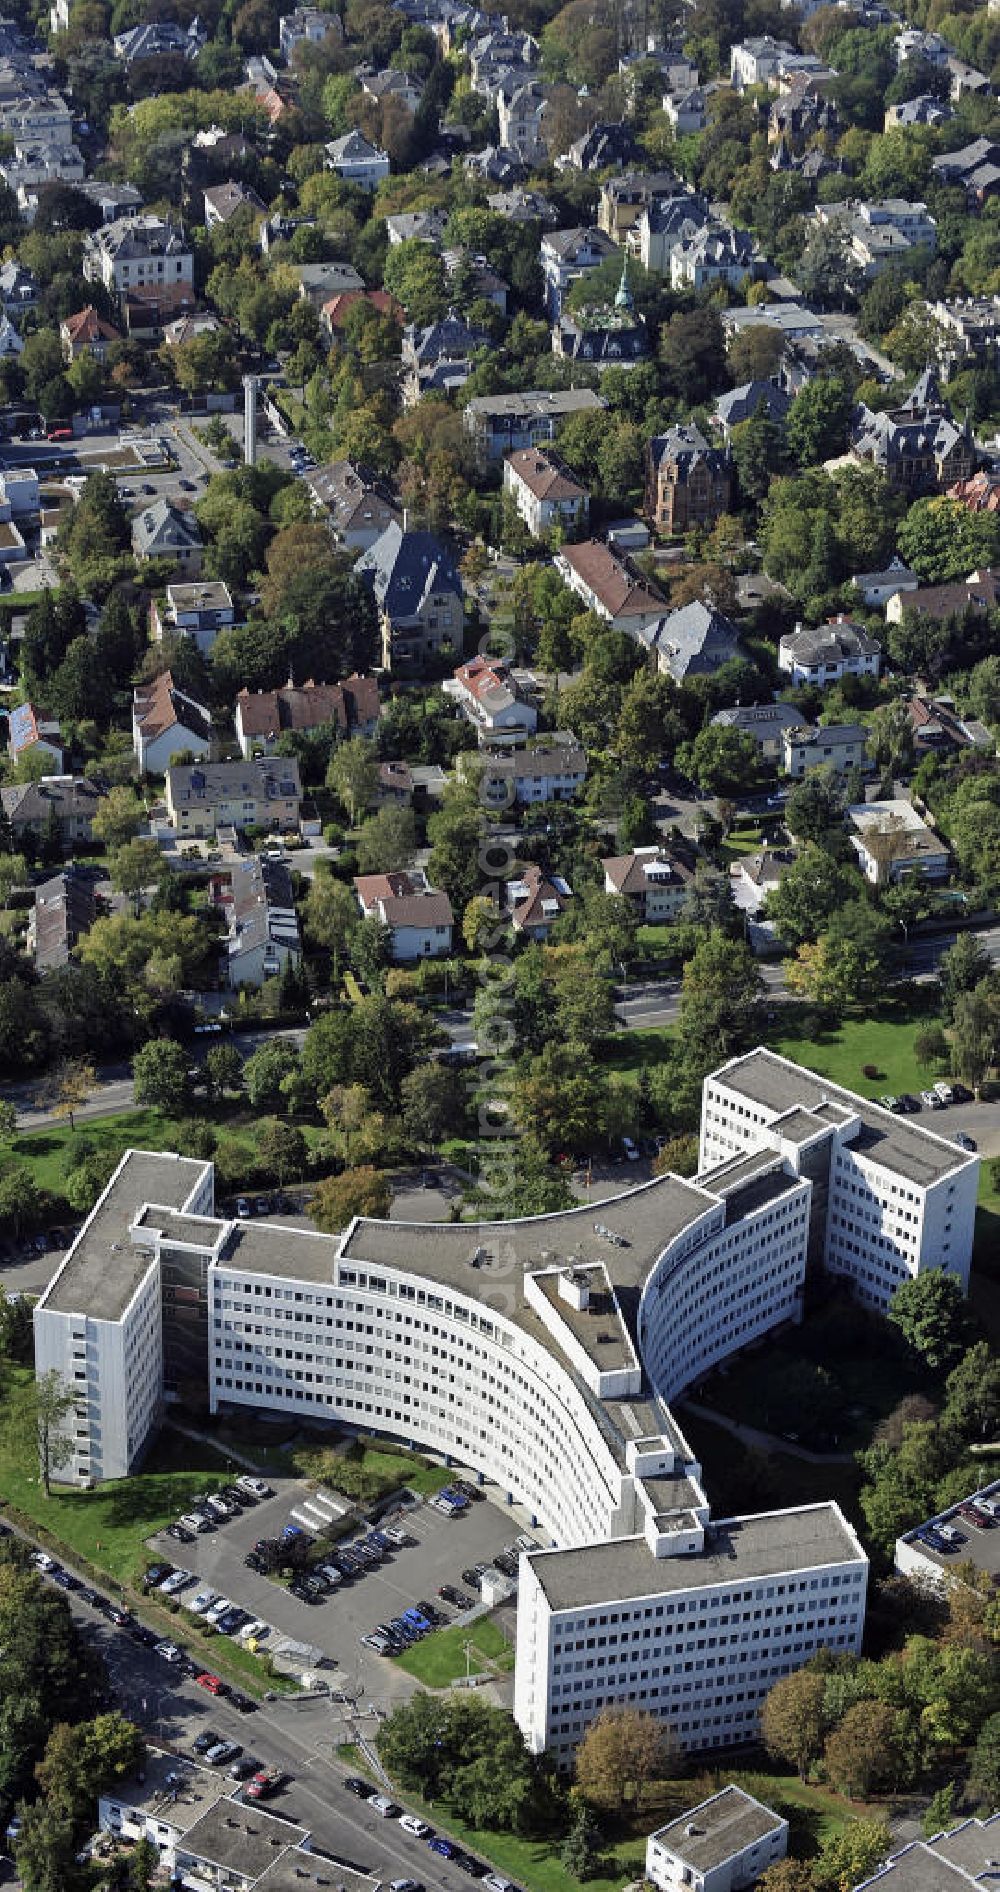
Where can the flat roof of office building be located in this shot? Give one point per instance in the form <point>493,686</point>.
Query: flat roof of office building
<point>103,1268</point>
<point>918,1155</point>
<point>170,1787</point>
<point>707,1835</point>
<point>240,1839</point>
<point>735,1549</point>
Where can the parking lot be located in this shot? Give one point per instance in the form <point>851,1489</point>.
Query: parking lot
<point>441,1548</point>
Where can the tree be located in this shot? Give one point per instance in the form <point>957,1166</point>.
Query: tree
<point>281,1149</point>
<point>136,865</point>
<point>972,1393</point>
<point>387,841</point>
<point>353,775</point>
<point>809,891</point>
<point>852,1855</point>
<point>265,1072</point>
<point>118,817</point>
<point>819,421</point>
<point>932,1314</point>
<point>44,1404</point>
<point>942,540</point>
<point>813,807</point>
<point>960,969</point>
<point>80,1761</point>
<point>863,1752</point>
<point>931,1048</point>
<point>331,917</point>
<point>354,1192</point>
<point>622,1752</point>
<point>975,1034</point>
<point>46,1850</point>
<point>791,1720</point>
<point>939,1813</point>
<point>720,994</point>
<point>69,1089</point>
<point>432,1104</point>
<point>223,1068</point>
<point>787,1875</point>
<point>581,1848</point>
<point>984,1774</point>
<point>848,965</point>
<point>160,1071</point>
<point>19,1200</point>
<point>722,761</point>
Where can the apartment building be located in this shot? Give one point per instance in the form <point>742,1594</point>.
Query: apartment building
<point>549,768</point>
<point>501,423</point>
<point>829,652</point>
<point>144,256</point>
<point>898,1198</point>
<point>721,1845</point>
<point>240,795</point>
<point>652,880</point>
<point>352,708</point>
<point>541,1353</point>
<point>201,610</point>
<point>419,917</point>
<point>836,746</point>
<point>545,492</point>
<point>492,701</point>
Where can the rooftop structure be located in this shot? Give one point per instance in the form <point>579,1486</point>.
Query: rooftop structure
<point>723,1844</point>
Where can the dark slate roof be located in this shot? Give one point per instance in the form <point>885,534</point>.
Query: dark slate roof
<point>405,568</point>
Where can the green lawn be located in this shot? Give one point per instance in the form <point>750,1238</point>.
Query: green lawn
<point>108,1527</point>
<point>441,1657</point>
<point>49,1153</point>
<point>740,841</point>
<point>885,1040</point>
<point>740,1479</point>
<point>629,1051</point>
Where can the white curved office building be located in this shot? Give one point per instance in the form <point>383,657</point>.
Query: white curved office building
<point>542,1354</point>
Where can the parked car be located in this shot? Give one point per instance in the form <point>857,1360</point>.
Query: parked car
<point>964,1141</point>
<point>156,1574</point>
<point>206,1739</point>
<point>944,1091</point>
<point>269,1780</point>
<point>244,1768</point>
<point>177,1580</point>
<point>381,1804</point>
<point>410,1823</point>
<point>223,1753</point>
<point>932,1100</point>
<point>254,1487</point>
<point>213,1684</point>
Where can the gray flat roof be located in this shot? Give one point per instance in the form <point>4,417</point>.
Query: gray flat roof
<point>673,1494</point>
<point>710,1833</point>
<point>301,1254</point>
<point>918,1155</point>
<point>103,1268</point>
<point>298,1871</point>
<point>171,1787</point>
<point>242,1839</point>
<point>735,1549</point>
<point>921,1868</point>
<point>599,1328</point>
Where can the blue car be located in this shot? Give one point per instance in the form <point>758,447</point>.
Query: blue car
<point>417,1620</point>
<point>444,1847</point>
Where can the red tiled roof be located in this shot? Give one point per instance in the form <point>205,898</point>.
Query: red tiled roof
<point>87,326</point>
<point>613,584</point>
<point>309,705</point>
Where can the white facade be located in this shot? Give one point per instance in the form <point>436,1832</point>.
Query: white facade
<point>541,1353</point>
<point>722,1845</point>
<point>901,1199</point>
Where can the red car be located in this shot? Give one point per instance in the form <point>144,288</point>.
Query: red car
<point>268,1781</point>
<point>213,1683</point>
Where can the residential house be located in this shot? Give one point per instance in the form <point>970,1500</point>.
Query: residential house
<point>603,333</point>
<point>972,326</point>
<point>627,194</point>
<point>351,707</point>
<point>307,26</point>
<point>11,343</point>
<point>418,591</point>
<point>395,785</point>
<point>29,732</point>
<point>550,768</point>
<point>883,235</point>
<point>486,284</point>
<point>357,160</point>
<point>923,110</point>
<point>522,122</point>
<point>492,701</point>
<point>937,725</point>
<point>87,333</point>
<point>357,504</point>
<point>976,168</point>
<point>224,201</point>
<point>688,483</point>
<point>980,494</point>
<point>565,256</point>
<point>979,592</point>
<point>419,917</point>
<point>188,328</point>
<point>918,447</point>
<point>521,206</point>
<point>535,902</point>
<point>662,226</point>
<point>695,640</point>
<point>686,111</point>
<point>891,841</point>
<point>204,796</point>
<point>545,492</point>
<point>742,403</point>
<point>603,148</point>
<point>799,116</point>
<point>334,312</point>
<point>201,610</point>
<point>439,356</point>
<point>502,423</point>
<point>929,49</point>
<point>416,226</point>
<point>876,588</point>
<point>112,200</point>
<point>757,61</point>
<point>767,723</point>
<point>167,722</point>
<point>19,493</point>
<point>64,911</point>
<point>160,39</point>
<point>717,253</point>
<point>146,259</point>
<point>834,746</point>
<point>723,1844</point>
<point>160,530</point>
<point>70,800</point>
<point>653,880</point>
<point>255,899</point>
<point>18,291</point>
<point>392,83</point>
<point>829,652</point>
<point>967,81</point>
<point>318,282</point>
<point>609,586</point>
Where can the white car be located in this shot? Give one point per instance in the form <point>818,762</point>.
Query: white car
<point>331,1573</point>
<point>498,1884</point>
<point>932,1100</point>
<point>944,1091</point>
<point>257,1487</point>
<point>253,1632</point>
<point>203,1601</point>
<point>191,1521</point>
<point>177,1580</point>
<point>169,1651</point>
<point>217,1609</point>
<point>411,1824</point>
<point>42,1560</point>
<point>383,1806</point>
